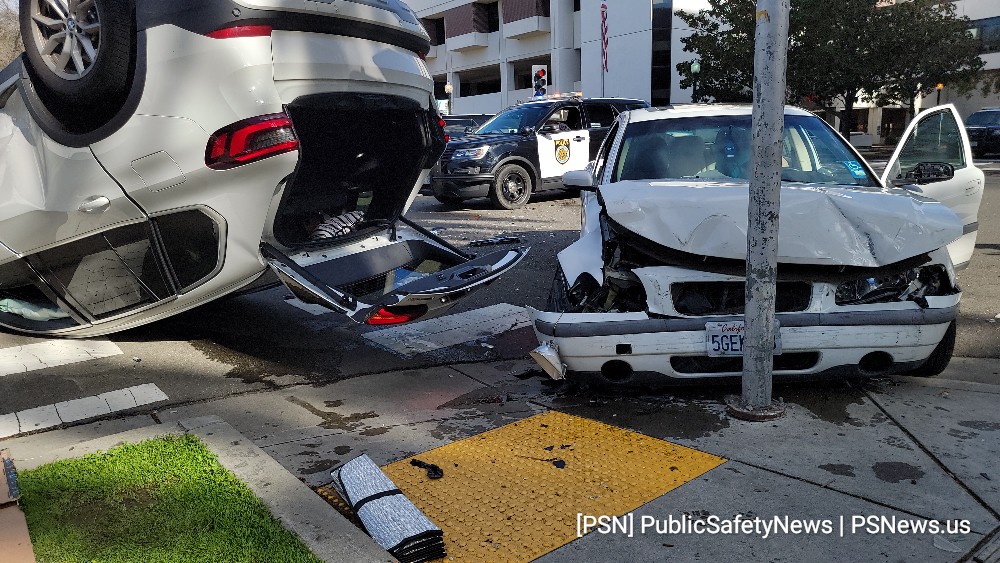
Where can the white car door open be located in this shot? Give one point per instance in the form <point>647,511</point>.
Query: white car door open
<point>934,159</point>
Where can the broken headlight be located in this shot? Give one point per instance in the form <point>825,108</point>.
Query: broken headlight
<point>912,285</point>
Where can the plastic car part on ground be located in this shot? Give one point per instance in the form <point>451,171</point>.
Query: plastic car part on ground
<point>495,241</point>
<point>387,515</point>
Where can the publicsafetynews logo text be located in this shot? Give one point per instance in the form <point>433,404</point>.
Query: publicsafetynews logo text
<point>631,524</point>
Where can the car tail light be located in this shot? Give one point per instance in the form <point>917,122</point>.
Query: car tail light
<point>241,31</point>
<point>395,315</point>
<point>250,140</point>
<point>441,124</point>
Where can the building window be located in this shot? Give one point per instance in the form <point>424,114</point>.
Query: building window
<point>440,92</point>
<point>988,32</point>
<point>576,5</point>
<point>435,29</point>
<point>662,69</point>
<point>479,81</point>
<point>515,10</point>
<point>492,16</point>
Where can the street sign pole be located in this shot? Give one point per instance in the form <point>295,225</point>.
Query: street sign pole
<point>770,58</point>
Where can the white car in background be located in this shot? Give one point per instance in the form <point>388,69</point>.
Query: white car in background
<point>654,287</point>
<point>158,154</point>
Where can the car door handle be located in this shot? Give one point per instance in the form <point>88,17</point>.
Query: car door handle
<point>578,139</point>
<point>95,204</point>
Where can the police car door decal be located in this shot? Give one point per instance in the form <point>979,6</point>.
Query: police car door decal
<point>559,153</point>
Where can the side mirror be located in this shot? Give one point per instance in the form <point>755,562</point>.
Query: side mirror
<point>926,173</point>
<point>581,179</point>
<point>526,131</point>
<point>550,128</point>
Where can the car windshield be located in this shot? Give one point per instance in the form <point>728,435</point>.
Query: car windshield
<point>512,120</point>
<point>984,119</point>
<point>718,148</point>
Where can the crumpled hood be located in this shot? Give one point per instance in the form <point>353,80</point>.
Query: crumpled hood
<point>819,224</point>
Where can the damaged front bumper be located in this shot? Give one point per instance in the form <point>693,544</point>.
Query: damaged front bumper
<point>631,347</point>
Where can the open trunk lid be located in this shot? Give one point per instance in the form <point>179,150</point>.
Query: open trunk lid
<point>411,278</point>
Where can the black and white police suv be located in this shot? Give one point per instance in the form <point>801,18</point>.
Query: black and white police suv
<point>526,148</point>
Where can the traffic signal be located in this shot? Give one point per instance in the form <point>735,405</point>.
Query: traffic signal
<point>539,78</point>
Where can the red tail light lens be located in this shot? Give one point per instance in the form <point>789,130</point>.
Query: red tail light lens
<point>250,140</point>
<point>395,315</point>
<point>442,123</point>
<point>241,31</point>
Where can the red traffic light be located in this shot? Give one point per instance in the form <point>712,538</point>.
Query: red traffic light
<point>540,73</point>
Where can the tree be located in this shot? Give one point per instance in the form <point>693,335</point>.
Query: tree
<point>838,51</point>
<point>930,44</point>
<point>724,43</point>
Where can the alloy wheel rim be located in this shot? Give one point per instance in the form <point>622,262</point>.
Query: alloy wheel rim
<point>67,34</point>
<point>514,187</point>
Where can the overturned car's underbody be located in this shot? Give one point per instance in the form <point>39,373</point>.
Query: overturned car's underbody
<point>865,285</point>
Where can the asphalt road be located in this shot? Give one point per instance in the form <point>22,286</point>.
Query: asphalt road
<point>259,342</point>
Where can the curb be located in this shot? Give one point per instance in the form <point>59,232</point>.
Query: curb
<point>300,510</point>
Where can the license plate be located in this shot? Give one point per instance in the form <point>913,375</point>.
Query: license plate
<point>726,339</point>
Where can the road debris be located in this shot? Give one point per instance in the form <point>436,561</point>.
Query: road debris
<point>387,515</point>
<point>433,471</point>
<point>495,241</point>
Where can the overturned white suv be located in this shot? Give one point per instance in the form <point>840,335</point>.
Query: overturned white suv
<point>654,287</point>
<point>158,154</point>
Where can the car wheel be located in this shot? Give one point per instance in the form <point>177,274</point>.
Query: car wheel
<point>512,188</point>
<point>449,200</point>
<point>79,55</point>
<point>940,357</point>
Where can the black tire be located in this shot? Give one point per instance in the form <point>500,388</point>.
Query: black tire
<point>82,98</point>
<point>512,188</point>
<point>449,201</point>
<point>940,357</point>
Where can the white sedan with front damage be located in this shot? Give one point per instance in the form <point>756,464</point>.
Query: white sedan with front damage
<point>654,287</point>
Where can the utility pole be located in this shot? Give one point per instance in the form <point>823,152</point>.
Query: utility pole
<point>770,58</point>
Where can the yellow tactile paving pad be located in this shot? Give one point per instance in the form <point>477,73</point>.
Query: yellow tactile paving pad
<point>513,493</point>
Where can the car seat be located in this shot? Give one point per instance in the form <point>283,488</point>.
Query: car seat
<point>732,152</point>
<point>648,158</point>
<point>686,156</point>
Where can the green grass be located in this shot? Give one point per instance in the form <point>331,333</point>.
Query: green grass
<point>161,500</point>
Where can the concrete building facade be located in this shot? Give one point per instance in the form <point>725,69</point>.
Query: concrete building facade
<point>483,51</point>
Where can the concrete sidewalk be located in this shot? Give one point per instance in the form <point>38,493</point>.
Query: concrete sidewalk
<point>865,452</point>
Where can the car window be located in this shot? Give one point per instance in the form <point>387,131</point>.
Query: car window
<point>599,115</point>
<point>718,147</point>
<point>513,119</point>
<point>936,138</point>
<point>605,150</point>
<point>566,118</point>
<point>984,119</point>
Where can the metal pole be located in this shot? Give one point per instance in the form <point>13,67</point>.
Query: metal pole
<point>770,58</point>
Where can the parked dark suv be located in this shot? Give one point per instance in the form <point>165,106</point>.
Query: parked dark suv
<point>984,131</point>
<point>526,148</point>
